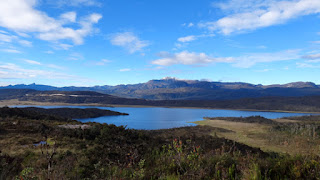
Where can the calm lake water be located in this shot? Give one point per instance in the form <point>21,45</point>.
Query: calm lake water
<point>163,118</point>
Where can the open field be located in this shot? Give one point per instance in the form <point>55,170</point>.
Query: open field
<point>265,136</point>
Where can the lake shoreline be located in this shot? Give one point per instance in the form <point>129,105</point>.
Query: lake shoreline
<point>33,103</point>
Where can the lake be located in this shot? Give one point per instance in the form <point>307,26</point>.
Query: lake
<point>162,118</point>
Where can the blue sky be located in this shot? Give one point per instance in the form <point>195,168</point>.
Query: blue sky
<point>110,42</point>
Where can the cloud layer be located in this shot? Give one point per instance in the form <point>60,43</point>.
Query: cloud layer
<point>245,61</point>
<point>253,14</point>
<point>129,41</point>
<point>187,58</point>
<point>21,16</point>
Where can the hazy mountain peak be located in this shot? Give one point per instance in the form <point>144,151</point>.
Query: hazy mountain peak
<point>169,78</point>
<point>300,84</point>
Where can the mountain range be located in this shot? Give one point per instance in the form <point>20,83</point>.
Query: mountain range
<point>175,89</point>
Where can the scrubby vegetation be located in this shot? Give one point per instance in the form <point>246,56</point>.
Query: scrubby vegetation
<point>312,118</point>
<point>58,114</point>
<point>75,112</point>
<point>250,119</point>
<point>110,152</point>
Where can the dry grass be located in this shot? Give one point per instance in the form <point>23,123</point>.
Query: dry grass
<point>260,136</point>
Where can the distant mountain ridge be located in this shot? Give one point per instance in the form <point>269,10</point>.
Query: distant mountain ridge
<point>302,104</point>
<point>175,89</point>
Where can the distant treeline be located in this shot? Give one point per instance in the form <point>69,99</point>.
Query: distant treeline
<point>305,103</point>
<point>75,112</point>
<point>310,118</point>
<point>250,119</point>
<point>57,114</point>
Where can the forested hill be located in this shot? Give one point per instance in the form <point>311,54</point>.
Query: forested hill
<point>174,89</point>
<point>57,114</point>
<point>305,103</point>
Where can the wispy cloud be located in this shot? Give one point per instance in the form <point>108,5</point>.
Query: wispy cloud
<point>8,38</point>
<point>194,37</point>
<point>263,70</point>
<point>188,24</point>
<point>25,43</point>
<point>187,38</point>
<point>125,70</point>
<point>307,65</point>
<point>311,56</point>
<point>27,19</point>
<point>253,14</point>
<point>188,58</point>
<point>102,62</point>
<point>75,3</point>
<point>4,37</point>
<point>244,61</point>
<point>49,52</point>
<point>53,66</point>
<point>129,41</point>
<point>32,62</point>
<point>62,46</point>
<point>75,56</point>
<point>251,59</point>
<point>11,51</point>
<point>315,42</point>
<point>13,71</point>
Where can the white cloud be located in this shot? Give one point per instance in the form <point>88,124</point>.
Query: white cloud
<point>261,47</point>
<point>32,62</point>
<point>68,17</point>
<point>62,46</point>
<point>253,14</point>
<point>55,66</point>
<point>13,71</point>
<point>306,65</point>
<point>187,38</point>
<point>188,58</point>
<point>25,43</point>
<point>49,52</point>
<point>311,56</point>
<point>187,24</point>
<point>245,61</point>
<point>129,41</point>
<point>21,16</point>
<point>75,56</point>
<point>8,38</point>
<point>68,33</point>
<point>124,70</point>
<point>75,3</point>
<point>11,51</point>
<point>251,59</point>
<point>103,62</point>
<point>316,42</point>
<point>313,61</point>
<point>192,38</point>
<point>263,70</point>
<point>190,24</point>
<point>236,6</point>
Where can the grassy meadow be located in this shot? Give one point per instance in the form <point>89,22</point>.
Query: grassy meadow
<point>271,137</point>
